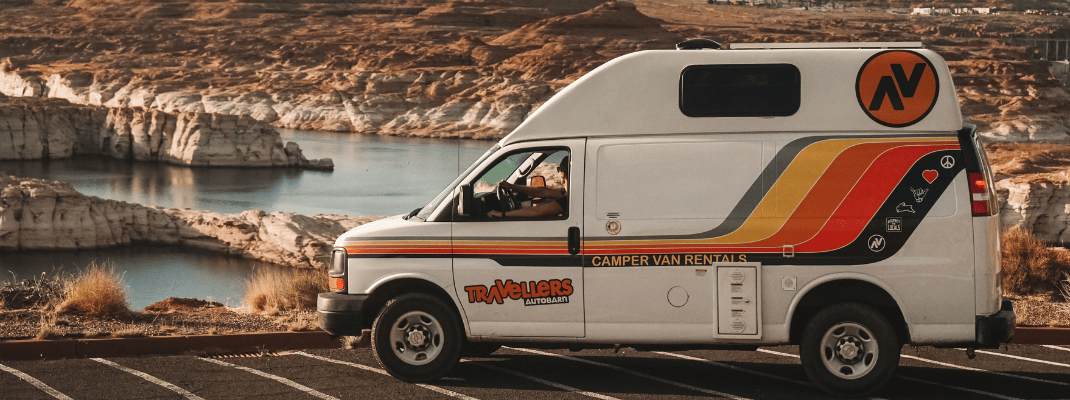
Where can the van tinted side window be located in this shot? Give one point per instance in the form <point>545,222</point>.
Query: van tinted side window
<point>754,90</point>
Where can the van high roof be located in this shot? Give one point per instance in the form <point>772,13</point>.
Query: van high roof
<point>813,87</point>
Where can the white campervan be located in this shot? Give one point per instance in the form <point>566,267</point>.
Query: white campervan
<point>826,195</point>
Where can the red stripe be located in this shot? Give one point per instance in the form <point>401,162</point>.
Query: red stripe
<point>869,194</point>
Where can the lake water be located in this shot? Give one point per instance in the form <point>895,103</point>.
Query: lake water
<point>373,175</point>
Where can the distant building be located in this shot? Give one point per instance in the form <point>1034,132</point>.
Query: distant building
<point>951,11</point>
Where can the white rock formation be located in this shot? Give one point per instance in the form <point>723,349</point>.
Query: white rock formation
<point>404,103</point>
<point>45,215</point>
<point>1041,207</point>
<point>51,128</point>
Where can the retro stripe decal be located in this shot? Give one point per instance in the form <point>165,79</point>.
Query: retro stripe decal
<point>840,183</point>
<point>829,197</point>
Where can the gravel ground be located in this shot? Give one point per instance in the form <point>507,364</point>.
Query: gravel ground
<point>31,323</point>
<point>1042,311</point>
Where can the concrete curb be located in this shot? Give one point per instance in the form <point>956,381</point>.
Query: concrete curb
<point>1041,335</point>
<point>12,350</point>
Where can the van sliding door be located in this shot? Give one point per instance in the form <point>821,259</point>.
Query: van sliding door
<point>653,209</point>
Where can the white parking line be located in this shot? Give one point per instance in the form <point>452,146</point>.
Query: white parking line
<point>778,353</point>
<point>735,368</point>
<point>986,371</point>
<point>185,393</point>
<point>1024,358</point>
<point>636,373</point>
<point>276,378</point>
<point>999,396</point>
<point>379,371</point>
<point>543,381</point>
<point>1056,347</point>
<point>36,383</point>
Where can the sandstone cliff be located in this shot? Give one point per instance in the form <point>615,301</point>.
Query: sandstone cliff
<point>473,68</point>
<point>33,128</point>
<point>1041,207</point>
<point>43,215</point>
<point>1033,187</point>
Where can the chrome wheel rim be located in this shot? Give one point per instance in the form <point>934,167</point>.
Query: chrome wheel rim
<point>416,338</point>
<point>849,350</point>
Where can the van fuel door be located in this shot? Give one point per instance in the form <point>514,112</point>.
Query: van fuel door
<point>738,294</point>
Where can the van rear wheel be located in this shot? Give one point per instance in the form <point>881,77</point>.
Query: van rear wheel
<point>849,349</point>
<point>417,337</point>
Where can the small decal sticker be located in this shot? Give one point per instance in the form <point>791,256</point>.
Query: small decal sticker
<point>930,175</point>
<point>903,207</point>
<point>876,243</point>
<point>893,224</point>
<point>897,88</point>
<point>947,162</point>
<point>553,291</point>
<point>919,194</point>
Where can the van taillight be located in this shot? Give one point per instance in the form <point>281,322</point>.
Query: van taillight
<point>980,197</point>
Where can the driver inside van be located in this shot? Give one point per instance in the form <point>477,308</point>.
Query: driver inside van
<point>558,206</point>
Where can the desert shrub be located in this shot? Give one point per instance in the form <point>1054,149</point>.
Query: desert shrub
<point>40,292</point>
<point>284,290</point>
<point>96,292</point>
<point>1029,266</point>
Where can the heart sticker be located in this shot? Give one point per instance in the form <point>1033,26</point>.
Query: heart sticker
<point>930,175</point>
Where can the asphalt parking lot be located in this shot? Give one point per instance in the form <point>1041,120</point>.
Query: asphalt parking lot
<point>1013,372</point>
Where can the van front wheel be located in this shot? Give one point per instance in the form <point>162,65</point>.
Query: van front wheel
<point>849,349</point>
<point>417,337</point>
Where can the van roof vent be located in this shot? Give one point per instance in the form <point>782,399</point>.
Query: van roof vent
<point>829,45</point>
<point>697,44</point>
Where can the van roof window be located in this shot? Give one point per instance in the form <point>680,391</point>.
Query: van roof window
<point>754,90</point>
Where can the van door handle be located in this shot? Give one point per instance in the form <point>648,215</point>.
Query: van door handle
<point>574,240</point>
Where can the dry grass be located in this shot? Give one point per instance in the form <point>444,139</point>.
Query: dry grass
<point>1029,266</point>
<point>40,292</point>
<point>1041,311</point>
<point>96,293</point>
<point>48,327</point>
<point>274,291</point>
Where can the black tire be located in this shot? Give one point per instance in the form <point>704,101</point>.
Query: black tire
<point>480,349</point>
<point>849,349</point>
<point>417,337</point>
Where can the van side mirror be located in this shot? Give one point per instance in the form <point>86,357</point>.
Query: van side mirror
<point>538,181</point>
<point>465,206</point>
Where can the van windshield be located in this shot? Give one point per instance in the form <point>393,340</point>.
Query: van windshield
<point>430,207</point>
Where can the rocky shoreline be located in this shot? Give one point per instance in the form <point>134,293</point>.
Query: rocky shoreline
<point>38,214</point>
<point>470,69</point>
<point>41,128</point>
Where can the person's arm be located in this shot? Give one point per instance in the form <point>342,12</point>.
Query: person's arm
<point>534,191</point>
<point>541,210</point>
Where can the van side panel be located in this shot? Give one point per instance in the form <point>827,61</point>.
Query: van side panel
<point>885,208</point>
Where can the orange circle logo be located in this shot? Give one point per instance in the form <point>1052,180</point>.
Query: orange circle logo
<point>897,88</point>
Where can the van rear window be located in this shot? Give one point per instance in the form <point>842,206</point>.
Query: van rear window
<point>755,90</point>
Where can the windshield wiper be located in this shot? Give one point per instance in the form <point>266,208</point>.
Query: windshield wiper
<point>413,213</point>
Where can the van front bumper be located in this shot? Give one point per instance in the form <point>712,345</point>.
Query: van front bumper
<point>997,328</point>
<point>340,314</point>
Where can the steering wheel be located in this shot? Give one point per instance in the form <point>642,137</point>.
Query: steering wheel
<point>506,199</point>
